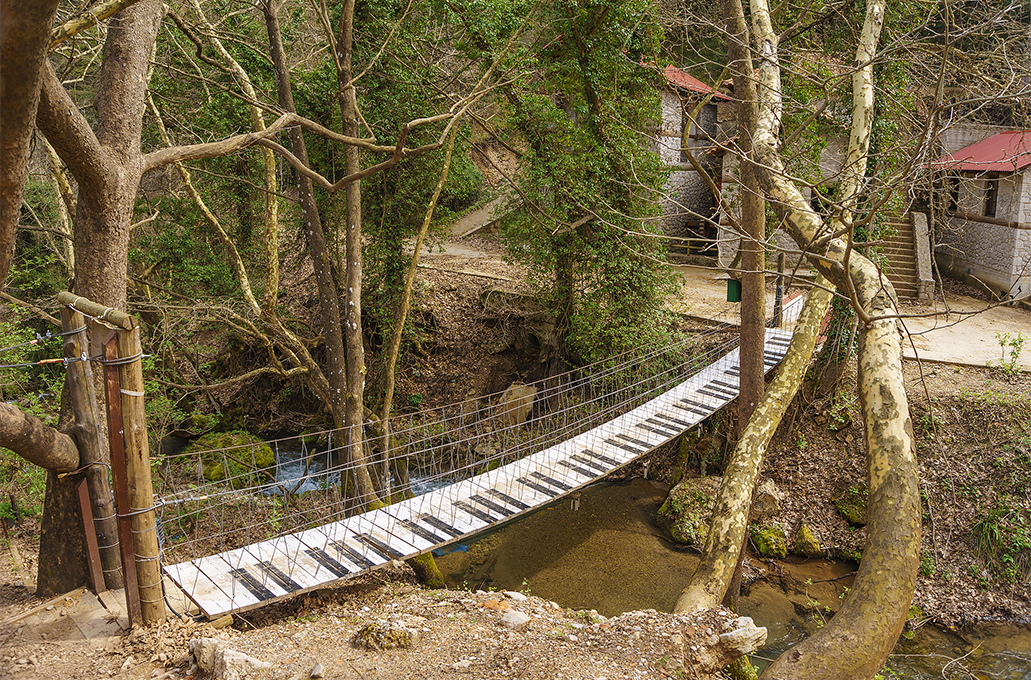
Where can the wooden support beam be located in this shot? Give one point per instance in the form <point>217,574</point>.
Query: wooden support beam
<point>137,462</point>
<point>118,468</point>
<point>91,441</point>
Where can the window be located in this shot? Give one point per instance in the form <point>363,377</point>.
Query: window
<point>953,183</point>
<point>991,195</point>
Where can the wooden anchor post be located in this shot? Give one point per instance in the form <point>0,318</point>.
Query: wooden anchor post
<point>90,438</point>
<point>131,428</point>
<point>137,463</point>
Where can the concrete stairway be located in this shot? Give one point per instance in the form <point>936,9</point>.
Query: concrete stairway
<point>900,251</point>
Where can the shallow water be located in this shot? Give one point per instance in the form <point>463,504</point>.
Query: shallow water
<point>609,556</point>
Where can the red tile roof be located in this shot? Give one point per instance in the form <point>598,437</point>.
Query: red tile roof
<point>1005,152</point>
<point>686,81</point>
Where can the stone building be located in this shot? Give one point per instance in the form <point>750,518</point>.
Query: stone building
<point>689,206</point>
<point>985,237</point>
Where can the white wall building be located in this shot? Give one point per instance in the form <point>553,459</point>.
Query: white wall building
<point>986,238</point>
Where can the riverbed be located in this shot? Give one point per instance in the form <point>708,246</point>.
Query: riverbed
<point>603,551</point>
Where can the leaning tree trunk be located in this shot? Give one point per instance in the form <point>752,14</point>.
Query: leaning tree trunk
<point>861,635</point>
<point>24,34</point>
<point>726,537</point>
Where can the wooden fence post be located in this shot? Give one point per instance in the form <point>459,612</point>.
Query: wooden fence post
<point>137,460</point>
<point>91,442</point>
<point>132,430</point>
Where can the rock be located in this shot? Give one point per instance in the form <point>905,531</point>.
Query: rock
<point>513,595</point>
<point>128,663</point>
<point>516,403</point>
<point>687,511</point>
<point>233,665</point>
<point>770,541</point>
<point>806,543</point>
<point>317,671</point>
<point>203,651</point>
<point>514,620</point>
<point>734,639</point>
<point>768,499</point>
<point>380,634</point>
<point>851,503</point>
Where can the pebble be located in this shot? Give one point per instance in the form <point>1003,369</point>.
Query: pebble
<point>514,620</point>
<point>513,595</point>
<point>464,663</point>
<point>317,671</point>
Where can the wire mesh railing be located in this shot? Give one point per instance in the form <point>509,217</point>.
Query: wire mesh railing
<point>221,499</point>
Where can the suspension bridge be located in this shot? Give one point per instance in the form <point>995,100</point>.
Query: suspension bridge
<point>487,472</point>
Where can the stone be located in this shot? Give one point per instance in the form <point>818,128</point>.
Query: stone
<point>516,403</point>
<point>203,651</point>
<point>687,511</point>
<point>513,595</point>
<point>768,499</point>
<point>735,638</point>
<point>851,504</point>
<point>233,665</point>
<point>770,541</point>
<point>514,620</point>
<point>806,543</point>
<point>317,671</point>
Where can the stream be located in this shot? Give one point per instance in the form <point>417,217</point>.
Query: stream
<point>607,554</point>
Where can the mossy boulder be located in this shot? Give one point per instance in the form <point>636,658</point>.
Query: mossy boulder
<point>851,504</point>
<point>770,541</point>
<point>237,457</point>
<point>806,543</point>
<point>687,511</point>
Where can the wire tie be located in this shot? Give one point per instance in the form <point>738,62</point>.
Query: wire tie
<point>131,393</point>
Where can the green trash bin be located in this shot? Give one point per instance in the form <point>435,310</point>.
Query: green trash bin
<point>733,290</point>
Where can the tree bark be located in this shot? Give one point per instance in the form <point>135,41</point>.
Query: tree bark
<point>35,441</point>
<point>24,34</point>
<point>355,394</point>
<point>861,635</point>
<point>729,529</point>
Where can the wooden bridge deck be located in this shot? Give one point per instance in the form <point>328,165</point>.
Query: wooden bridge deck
<point>282,567</point>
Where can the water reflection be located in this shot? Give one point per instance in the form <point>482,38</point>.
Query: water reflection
<point>608,555</point>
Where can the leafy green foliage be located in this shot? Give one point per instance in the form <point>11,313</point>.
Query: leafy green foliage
<point>589,186</point>
<point>33,389</point>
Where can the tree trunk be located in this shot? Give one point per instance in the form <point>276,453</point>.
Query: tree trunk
<point>753,253</point>
<point>107,165</point>
<point>355,394</point>
<point>860,636</point>
<point>36,442</point>
<point>24,34</point>
<point>729,529</point>
<point>62,544</point>
<point>329,294</point>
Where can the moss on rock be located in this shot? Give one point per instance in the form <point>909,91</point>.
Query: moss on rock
<point>770,541</point>
<point>806,543</point>
<point>742,669</point>
<point>239,457</point>
<point>379,635</point>
<point>851,503</point>
<point>687,511</point>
